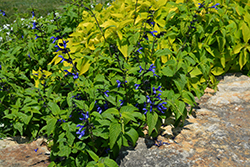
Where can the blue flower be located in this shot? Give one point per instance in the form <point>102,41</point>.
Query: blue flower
<point>55,38</point>
<point>161,108</point>
<point>122,102</point>
<point>37,36</point>
<point>34,25</point>
<point>107,150</point>
<point>106,93</point>
<point>85,116</point>
<point>140,69</point>
<point>137,86</point>
<point>158,97</point>
<point>139,50</point>
<point>152,32</point>
<point>3,13</point>
<point>29,55</point>
<point>33,14</point>
<point>35,150</point>
<point>119,83</point>
<point>99,109</point>
<point>75,76</point>
<point>153,23</point>
<point>148,99</point>
<point>68,73</point>
<point>80,131</point>
<point>201,5</point>
<point>151,68</point>
<point>144,109</point>
<point>215,6</point>
<point>106,105</point>
<point>60,120</point>
<point>64,44</point>
<point>158,89</point>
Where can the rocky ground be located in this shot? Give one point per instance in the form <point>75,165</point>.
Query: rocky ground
<point>217,134</point>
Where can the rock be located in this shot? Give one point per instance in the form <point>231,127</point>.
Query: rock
<point>218,135</point>
<point>20,152</point>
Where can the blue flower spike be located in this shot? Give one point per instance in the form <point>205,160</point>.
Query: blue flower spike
<point>3,12</point>
<point>106,93</point>
<point>136,86</point>
<point>139,50</point>
<point>152,32</point>
<point>37,36</point>
<point>214,6</point>
<point>80,131</point>
<point>85,116</point>
<point>54,39</point>
<point>141,69</point>
<point>33,14</point>
<point>119,83</point>
<point>34,25</point>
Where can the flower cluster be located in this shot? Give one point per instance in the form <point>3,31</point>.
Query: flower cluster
<point>3,12</point>
<point>154,101</point>
<point>82,128</point>
<point>99,109</point>
<point>119,83</point>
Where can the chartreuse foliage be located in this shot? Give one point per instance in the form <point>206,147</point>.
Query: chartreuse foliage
<point>93,78</point>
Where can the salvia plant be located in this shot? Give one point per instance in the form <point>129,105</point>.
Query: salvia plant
<point>94,78</point>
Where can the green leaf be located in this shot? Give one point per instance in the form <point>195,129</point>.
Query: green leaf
<point>128,109</point>
<point>178,85</point>
<point>92,164</point>
<point>81,159</point>
<point>128,117</point>
<point>124,141</point>
<point>217,70</point>
<point>67,127</point>
<point>133,135</point>
<point>133,70</point>
<point>52,164</point>
<point>243,58</point>
<point>25,118</point>
<point>93,155</point>
<point>110,162</point>
<point>245,32</point>
<point>111,99</point>
<point>238,48</point>
<point>162,52</point>
<point>114,69</point>
<point>188,97</point>
<point>114,132</point>
<point>64,150</point>
<point>180,108</point>
<point>54,108</point>
<point>51,122</point>
<point>221,43</point>
<point>99,132</point>
<point>111,111</point>
<point>152,118</point>
<point>19,127</point>
<point>167,72</point>
<point>134,38</point>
